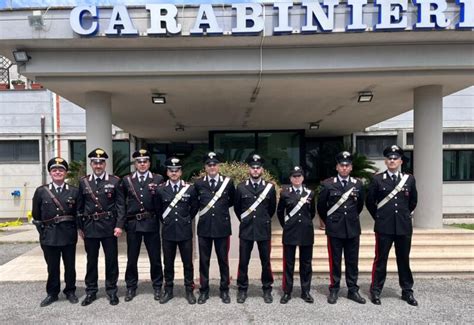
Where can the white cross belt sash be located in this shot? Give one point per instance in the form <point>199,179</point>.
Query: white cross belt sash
<point>216,197</point>
<point>260,199</point>
<point>298,207</point>
<point>341,201</point>
<point>175,201</point>
<point>394,192</point>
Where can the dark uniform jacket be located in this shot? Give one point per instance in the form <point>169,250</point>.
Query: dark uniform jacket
<point>177,225</point>
<point>344,222</point>
<point>257,225</point>
<point>140,199</point>
<point>109,193</point>
<point>395,217</point>
<point>298,230</point>
<point>215,223</point>
<point>44,208</point>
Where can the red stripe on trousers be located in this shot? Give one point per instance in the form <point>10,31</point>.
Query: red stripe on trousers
<point>376,259</point>
<point>270,258</point>
<point>331,278</point>
<point>283,282</point>
<point>227,258</point>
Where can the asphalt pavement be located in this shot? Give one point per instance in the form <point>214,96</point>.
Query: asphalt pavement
<point>440,301</point>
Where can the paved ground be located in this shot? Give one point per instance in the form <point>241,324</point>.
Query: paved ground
<point>11,251</point>
<point>441,301</point>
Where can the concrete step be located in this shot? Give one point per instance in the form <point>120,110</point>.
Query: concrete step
<point>416,265</point>
<point>435,252</point>
<point>447,250</point>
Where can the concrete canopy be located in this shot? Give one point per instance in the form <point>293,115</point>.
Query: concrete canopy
<point>240,83</point>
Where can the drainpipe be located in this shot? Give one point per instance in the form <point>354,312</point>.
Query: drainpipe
<point>58,126</point>
<point>43,151</point>
<point>53,124</point>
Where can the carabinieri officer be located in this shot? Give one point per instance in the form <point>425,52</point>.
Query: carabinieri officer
<point>254,205</point>
<point>296,210</point>
<point>391,200</point>
<point>142,224</point>
<point>54,214</point>
<point>178,205</point>
<point>101,212</point>
<point>340,202</point>
<point>216,196</point>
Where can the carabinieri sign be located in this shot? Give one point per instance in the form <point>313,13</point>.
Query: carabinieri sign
<point>249,18</point>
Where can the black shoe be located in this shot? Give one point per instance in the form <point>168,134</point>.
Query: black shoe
<point>410,299</point>
<point>375,298</point>
<point>88,300</point>
<point>72,298</point>
<point>241,296</point>
<point>285,298</point>
<point>332,298</point>
<point>267,297</point>
<point>157,294</point>
<point>131,293</point>
<point>355,296</point>
<point>225,297</point>
<point>203,296</point>
<point>190,297</point>
<point>307,297</point>
<point>48,300</point>
<point>166,297</point>
<point>114,300</point>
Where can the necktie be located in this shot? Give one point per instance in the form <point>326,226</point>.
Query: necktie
<point>298,192</point>
<point>344,183</point>
<point>394,178</point>
<point>213,184</point>
<point>98,180</point>
<point>175,188</point>
<point>58,189</point>
<point>142,179</point>
<point>255,186</point>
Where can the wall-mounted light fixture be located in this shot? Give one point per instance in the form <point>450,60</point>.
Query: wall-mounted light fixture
<point>158,99</point>
<point>179,128</point>
<point>313,125</point>
<point>365,97</point>
<point>21,56</point>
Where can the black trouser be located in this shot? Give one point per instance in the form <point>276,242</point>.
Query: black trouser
<point>245,250</point>
<point>350,246</point>
<point>52,256</point>
<point>306,268</point>
<point>383,244</point>
<point>153,247</point>
<point>92,246</point>
<point>186,252</point>
<point>222,251</point>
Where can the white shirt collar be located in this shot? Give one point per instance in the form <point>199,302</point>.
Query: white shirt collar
<point>340,178</point>
<point>101,176</point>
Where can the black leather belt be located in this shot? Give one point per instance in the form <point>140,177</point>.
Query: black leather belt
<point>140,216</point>
<point>99,215</point>
<point>58,219</point>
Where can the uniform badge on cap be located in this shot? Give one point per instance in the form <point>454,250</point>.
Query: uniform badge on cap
<point>256,157</point>
<point>57,162</point>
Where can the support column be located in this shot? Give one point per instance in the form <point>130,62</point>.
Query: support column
<point>428,155</point>
<point>99,125</point>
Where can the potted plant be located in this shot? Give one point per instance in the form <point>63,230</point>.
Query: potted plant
<point>4,86</point>
<point>36,85</point>
<point>18,84</point>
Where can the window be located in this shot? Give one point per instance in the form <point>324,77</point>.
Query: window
<point>449,138</point>
<point>373,146</point>
<point>280,149</point>
<point>19,151</point>
<point>458,165</point>
<point>121,150</point>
